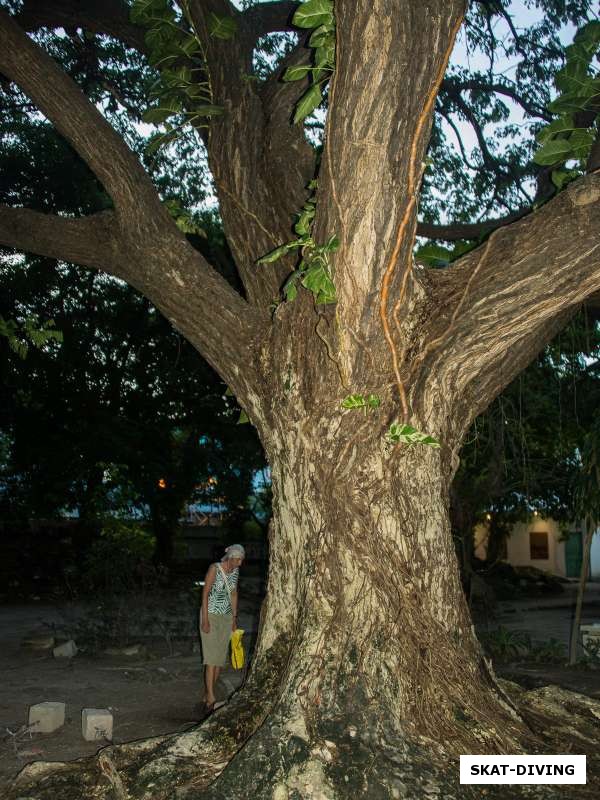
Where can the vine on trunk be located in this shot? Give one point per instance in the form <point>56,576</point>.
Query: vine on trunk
<point>314,270</point>
<point>413,183</point>
<point>317,14</point>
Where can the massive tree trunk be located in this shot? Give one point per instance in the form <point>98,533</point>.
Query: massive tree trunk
<point>368,679</point>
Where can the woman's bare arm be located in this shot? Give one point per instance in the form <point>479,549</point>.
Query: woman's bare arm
<point>234,608</point>
<point>208,582</point>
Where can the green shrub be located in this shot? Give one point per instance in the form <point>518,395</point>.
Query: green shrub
<point>503,644</point>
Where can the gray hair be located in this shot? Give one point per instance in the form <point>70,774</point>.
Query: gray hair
<point>234,551</point>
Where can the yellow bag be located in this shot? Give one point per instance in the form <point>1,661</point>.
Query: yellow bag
<point>237,649</point>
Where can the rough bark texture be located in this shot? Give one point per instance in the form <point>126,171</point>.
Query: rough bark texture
<point>368,680</point>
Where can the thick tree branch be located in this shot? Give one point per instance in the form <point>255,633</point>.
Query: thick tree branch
<point>88,241</point>
<point>154,256</point>
<point>201,305</point>
<point>446,115</point>
<point>243,198</point>
<point>64,104</point>
<point>452,86</point>
<point>168,271</point>
<point>373,155</point>
<point>257,159</point>
<point>269,18</point>
<point>110,17</point>
<point>501,300</point>
<point>459,230</point>
<point>278,100</point>
<point>490,161</point>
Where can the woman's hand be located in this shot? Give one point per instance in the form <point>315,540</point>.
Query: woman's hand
<point>205,626</point>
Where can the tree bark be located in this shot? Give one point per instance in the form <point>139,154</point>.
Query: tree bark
<point>583,576</point>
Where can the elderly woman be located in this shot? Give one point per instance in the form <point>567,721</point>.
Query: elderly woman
<point>218,617</point>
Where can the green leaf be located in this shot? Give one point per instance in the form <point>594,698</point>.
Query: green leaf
<point>160,40</point>
<point>326,295</point>
<point>190,45</point>
<point>434,255</point>
<point>315,278</point>
<point>280,251</point>
<point>310,100</point>
<point>290,291</point>
<point>561,177</point>
<point>178,78</point>
<point>187,224</point>
<point>354,401</point>
<point>553,151</point>
<point>274,255</point>
<point>144,12</point>
<point>373,401</point>
<point>325,56</point>
<point>588,37</point>
<point>156,116</point>
<point>296,73</point>
<point>406,434</point>
<point>221,27</point>
<point>563,125</point>
<point>333,244</point>
<point>305,218</point>
<point>243,418</point>
<point>324,35</point>
<point>581,141</point>
<point>318,281</point>
<point>461,247</point>
<point>156,142</point>
<point>207,110</point>
<point>579,100</point>
<point>314,13</point>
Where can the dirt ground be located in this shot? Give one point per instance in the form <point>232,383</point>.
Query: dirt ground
<point>158,693</point>
<point>149,695</point>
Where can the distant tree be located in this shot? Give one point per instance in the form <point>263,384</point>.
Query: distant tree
<point>122,414</point>
<point>125,402</point>
<point>587,495</point>
<point>523,453</point>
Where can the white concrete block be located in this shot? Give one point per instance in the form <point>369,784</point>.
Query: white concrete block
<point>66,650</point>
<point>46,717</point>
<point>96,723</point>
<point>590,636</point>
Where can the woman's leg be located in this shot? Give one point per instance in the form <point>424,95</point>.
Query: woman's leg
<point>210,678</point>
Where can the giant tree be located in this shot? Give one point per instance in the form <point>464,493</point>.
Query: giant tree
<point>367,670</point>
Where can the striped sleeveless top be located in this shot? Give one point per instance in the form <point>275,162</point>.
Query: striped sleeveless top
<point>218,597</point>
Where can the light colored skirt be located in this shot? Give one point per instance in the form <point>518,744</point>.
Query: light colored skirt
<point>215,645</point>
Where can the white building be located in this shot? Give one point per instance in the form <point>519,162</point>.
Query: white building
<point>541,543</point>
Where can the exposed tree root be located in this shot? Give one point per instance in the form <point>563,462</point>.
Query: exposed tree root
<point>342,757</point>
<point>157,768</point>
<point>359,755</point>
